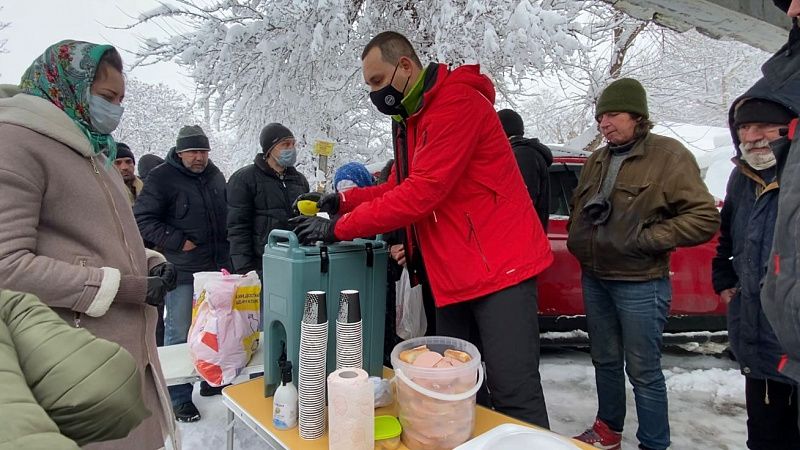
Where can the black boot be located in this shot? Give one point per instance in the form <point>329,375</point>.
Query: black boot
<point>186,412</point>
<point>206,390</point>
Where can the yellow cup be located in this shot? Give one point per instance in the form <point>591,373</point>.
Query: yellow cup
<point>307,207</point>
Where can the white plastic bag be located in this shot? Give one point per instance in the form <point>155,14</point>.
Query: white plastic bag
<point>225,319</point>
<point>383,391</point>
<point>410,320</point>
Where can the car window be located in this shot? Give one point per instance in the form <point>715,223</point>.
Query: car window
<point>563,181</point>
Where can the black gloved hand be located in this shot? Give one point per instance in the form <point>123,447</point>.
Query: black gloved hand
<point>156,290</point>
<point>313,229</point>
<point>310,196</point>
<point>166,271</point>
<point>163,278</point>
<point>329,203</point>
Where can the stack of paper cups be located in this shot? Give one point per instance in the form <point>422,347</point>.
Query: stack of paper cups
<point>349,338</point>
<point>351,408</point>
<point>313,351</point>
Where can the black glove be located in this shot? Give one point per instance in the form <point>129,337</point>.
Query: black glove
<point>155,291</point>
<point>329,203</point>
<point>166,271</point>
<point>311,196</point>
<point>163,278</point>
<point>313,229</point>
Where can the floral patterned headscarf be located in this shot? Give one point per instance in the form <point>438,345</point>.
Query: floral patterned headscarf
<point>63,75</point>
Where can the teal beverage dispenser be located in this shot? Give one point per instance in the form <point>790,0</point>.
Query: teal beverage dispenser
<point>291,270</point>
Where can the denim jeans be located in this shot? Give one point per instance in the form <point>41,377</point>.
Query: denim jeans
<point>625,321</point>
<point>176,328</point>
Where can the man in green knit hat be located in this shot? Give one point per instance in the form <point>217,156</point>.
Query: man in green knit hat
<point>638,198</point>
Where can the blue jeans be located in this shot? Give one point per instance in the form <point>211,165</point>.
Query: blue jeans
<point>176,329</point>
<point>626,320</point>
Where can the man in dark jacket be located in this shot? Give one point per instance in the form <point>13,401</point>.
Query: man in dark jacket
<point>533,159</point>
<point>746,233</point>
<point>147,163</point>
<point>780,296</point>
<point>638,199</point>
<point>456,190</point>
<point>182,210</point>
<point>261,195</point>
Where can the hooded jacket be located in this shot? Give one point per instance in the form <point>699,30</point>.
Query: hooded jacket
<point>68,236</point>
<point>534,159</point>
<point>177,205</point>
<point>259,200</point>
<point>456,188</point>
<point>745,241</point>
<point>62,387</point>
<point>780,295</point>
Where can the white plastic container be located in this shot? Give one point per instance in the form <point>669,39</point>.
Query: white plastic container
<point>284,402</point>
<point>437,405</point>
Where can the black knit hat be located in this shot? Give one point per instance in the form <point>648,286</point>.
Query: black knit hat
<point>512,122</point>
<point>271,135</point>
<point>623,95</point>
<point>191,137</point>
<point>758,110</point>
<point>147,163</point>
<point>123,151</point>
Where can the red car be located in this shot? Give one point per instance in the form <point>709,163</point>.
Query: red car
<point>695,305</point>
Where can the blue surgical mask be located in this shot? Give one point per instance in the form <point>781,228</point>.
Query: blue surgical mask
<point>287,158</point>
<point>105,115</point>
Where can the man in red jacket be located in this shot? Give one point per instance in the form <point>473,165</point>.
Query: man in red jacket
<point>458,192</point>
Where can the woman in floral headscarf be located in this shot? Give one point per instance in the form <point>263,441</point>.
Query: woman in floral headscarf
<point>67,232</point>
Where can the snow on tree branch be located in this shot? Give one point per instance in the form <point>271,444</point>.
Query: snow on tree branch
<point>298,61</point>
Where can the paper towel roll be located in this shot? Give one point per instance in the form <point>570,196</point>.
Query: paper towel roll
<point>351,410</point>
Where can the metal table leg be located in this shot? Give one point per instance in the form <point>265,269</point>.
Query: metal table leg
<point>230,430</point>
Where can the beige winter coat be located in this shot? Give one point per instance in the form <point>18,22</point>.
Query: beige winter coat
<point>68,235</point>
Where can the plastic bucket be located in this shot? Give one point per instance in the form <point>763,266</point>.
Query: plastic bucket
<point>437,406</point>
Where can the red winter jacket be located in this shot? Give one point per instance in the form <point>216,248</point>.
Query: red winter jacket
<point>462,193</point>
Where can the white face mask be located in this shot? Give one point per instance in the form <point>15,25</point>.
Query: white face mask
<point>105,115</point>
<point>758,161</point>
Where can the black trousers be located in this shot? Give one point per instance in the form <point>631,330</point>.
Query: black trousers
<point>505,328</point>
<point>771,415</point>
<point>160,326</point>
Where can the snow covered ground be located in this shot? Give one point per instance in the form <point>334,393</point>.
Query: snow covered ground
<point>706,403</point>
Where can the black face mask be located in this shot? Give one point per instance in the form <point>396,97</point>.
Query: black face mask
<point>387,99</point>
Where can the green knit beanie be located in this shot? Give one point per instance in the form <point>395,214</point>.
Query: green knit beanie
<point>623,95</point>
<point>191,137</point>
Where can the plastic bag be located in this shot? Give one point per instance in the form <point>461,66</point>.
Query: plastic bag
<point>382,390</point>
<point>410,321</point>
<point>225,319</point>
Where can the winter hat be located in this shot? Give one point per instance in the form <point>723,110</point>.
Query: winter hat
<point>272,134</point>
<point>191,137</point>
<point>512,122</point>
<point>123,151</point>
<point>753,110</point>
<point>147,163</point>
<point>623,95</point>
<point>351,175</point>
